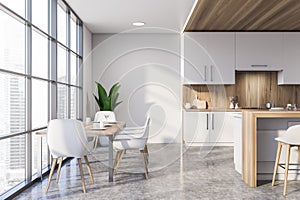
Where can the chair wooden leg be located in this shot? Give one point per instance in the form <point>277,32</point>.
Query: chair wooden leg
<point>51,173</point>
<point>288,150</point>
<point>59,168</point>
<point>118,159</point>
<point>89,168</point>
<point>96,142</point>
<point>145,164</point>
<point>145,155</point>
<point>81,173</point>
<point>299,154</point>
<point>279,147</point>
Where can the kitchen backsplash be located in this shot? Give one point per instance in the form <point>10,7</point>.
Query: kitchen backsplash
<point>253,89</point>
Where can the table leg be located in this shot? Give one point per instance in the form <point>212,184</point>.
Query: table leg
<point>110,159</point>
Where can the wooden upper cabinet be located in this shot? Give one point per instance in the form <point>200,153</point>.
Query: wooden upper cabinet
<point>291,59</point>
<point>209,58</point>
<point>259,51</point>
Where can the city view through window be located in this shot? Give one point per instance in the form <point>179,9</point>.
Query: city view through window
<point>34,89</point>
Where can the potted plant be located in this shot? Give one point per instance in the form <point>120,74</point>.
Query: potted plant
<point>107,102</point>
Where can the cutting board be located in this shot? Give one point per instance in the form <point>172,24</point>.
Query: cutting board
<point>200,104</point>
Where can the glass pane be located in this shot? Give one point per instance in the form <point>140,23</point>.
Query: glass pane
<point>18,6</point>
<point>62,103</point>
<point>40,14</point>
<point>12,44</point>
<point>74,102</point>
<point>12,115</point>
<point>61,25</point>
<point>61,64</point>
<point>74,70</point>
<point>73,35</point>
<point>39,152</point>
<point>39,103</point>
<point>12,162</point>
<point>39,55</point>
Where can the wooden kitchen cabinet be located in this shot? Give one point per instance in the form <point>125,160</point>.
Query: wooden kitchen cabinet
<point>261,51</point>
<point>209,128</point>
<point>209,58</point>
<point>291,59</point>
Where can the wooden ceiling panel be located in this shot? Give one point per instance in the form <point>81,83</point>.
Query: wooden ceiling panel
<point>245,15</point>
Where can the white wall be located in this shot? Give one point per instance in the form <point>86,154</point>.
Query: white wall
<point>148,69</point>
<point>87,73</point>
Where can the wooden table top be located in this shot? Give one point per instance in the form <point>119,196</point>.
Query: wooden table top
<point>109,130</point>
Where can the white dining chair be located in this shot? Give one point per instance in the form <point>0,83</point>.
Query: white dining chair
<point>136,141</point>
<point>290,139</point>
<point>104,116</point>
<point>67,138</point>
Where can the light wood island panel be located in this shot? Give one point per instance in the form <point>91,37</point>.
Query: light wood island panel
<point>249,140</point>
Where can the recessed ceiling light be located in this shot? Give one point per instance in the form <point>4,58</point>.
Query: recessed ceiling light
<point>138,23</point>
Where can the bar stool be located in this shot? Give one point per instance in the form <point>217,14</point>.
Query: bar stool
<point>291,139</point>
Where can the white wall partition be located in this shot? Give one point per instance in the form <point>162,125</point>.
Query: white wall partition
<point>148,69</point>
<point>87,73</point>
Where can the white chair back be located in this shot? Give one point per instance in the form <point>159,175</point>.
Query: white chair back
<point>146,126</point>
<point>67,138</point>
<point>292,134</point>
<point>105,116</point>
<point>135,141</point>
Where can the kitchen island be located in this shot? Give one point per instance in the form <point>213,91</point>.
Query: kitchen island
<point>249,139</point>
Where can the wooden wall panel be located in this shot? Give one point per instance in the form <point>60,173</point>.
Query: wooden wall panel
<point>253,89</point>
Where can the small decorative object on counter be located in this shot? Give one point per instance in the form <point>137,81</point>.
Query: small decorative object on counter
<point>236,106</point>
<point>199,104</point>
<point>291,106</point>
<point>231,99</point>
<point>88,119</point>
<point>196,102</point>
<point>187,106</point>
<point>202,104</point>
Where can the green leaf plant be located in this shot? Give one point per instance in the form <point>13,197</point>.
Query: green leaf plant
<point>107,103</point>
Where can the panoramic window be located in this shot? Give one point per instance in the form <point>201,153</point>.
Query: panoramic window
<point>39,80</point>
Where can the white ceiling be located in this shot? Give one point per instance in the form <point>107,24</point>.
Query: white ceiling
<point>115,16</point>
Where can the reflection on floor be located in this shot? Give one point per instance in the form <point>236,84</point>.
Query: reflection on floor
<point>201,173</point>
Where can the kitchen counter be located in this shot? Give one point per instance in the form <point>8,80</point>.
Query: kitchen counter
<point>212,110</point>
<point>249,139</point>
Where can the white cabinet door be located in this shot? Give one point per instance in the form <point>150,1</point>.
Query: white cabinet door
<point>196,60</point>
<point>213,128</point>
<point>196,127</point>
<point>237,120</point>
<point>222,53</point>
<point>222,128</point>
<point>209,58</point>
<point>259,51</point>
<point>225,123</point>
<point>291,59</point>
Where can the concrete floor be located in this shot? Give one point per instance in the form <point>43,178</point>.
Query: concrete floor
<point>201,173</point>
